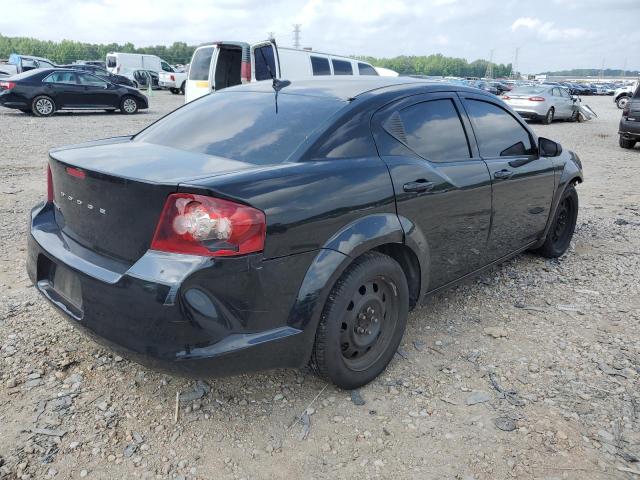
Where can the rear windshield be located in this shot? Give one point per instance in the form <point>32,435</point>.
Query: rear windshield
<point>243,125</point>
<point>200,64</point>
<point>528,90</point>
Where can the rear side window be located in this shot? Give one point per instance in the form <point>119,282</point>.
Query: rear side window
<point>201,63</point>
<point>255,133</point>
<point>265,63</point>
<point>90,80</point>
<point>61,77</point>
<point>320,66</point>
<point>111,61</point>
<point>497,132</point>
<point>341,67</point>
<point>366,69</point>
<point>434,131</point>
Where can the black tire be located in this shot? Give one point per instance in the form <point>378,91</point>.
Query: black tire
<point>182,87</point>
<point>626,142</point>
<point>129,105</point>
<point>175,91</point>
<point>43,106</point>
<point>564,224</point>
<point>362,323</point>
<point>622,101</point>
<point>575,116</point>
<point>548,118</point>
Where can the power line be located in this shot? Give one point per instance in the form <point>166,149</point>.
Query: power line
<point>296,35</point>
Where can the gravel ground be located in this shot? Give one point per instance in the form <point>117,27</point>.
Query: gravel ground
<point>530,371</point>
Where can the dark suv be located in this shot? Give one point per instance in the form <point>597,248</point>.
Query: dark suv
<point>629,129</point>
<point>294,223</point>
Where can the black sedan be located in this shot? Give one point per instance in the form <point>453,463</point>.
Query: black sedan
<point>44,91</point>
<point>102,73</point>
<point>250,230</point>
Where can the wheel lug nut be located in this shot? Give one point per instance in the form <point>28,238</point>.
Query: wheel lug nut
<point>375,320</point>
<point>368,332</point>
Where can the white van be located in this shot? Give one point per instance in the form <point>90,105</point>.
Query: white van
<point>126,63</point>
<point>223,64</point>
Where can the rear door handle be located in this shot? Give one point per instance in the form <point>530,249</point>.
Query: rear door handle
<point>502,174</point>
<point>418,186</point>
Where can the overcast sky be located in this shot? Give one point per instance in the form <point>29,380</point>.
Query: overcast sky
<point>551,34</point>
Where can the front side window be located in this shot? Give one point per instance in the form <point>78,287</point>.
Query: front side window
<point>166,67</point>
<point>320,66</point>
<point>201,64</point>
<point>265,63</point>
<point>90,80</point>
<point>111,61</point>
<point>341,67</point>
<point>366,69</point>
<point>498,133</point>
<point>434,131</point>
<point>61,77</point>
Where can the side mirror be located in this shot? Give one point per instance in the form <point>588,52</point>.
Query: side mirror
<point>548,148</point>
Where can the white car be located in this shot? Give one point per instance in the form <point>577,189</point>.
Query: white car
<point>621,95</point>
<point>176,82</point>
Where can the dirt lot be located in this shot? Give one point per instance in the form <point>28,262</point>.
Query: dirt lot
<point>561,338</point>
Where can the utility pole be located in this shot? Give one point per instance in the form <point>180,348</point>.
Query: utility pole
<point>514,67</point>
<point>296,35</point>
<point>624,68</point>
<point>489,72</point>
<point>602,70</point>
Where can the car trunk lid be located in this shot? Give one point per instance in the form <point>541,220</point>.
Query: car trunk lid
<point>109,196</point>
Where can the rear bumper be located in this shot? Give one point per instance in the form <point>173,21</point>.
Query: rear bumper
<point>533,111</point>
<point>190,315</point>
<point>164,84</point>
<point>629,129</point>
<point>11,100</point>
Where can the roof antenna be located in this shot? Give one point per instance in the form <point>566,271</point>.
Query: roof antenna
<point>277,84</point>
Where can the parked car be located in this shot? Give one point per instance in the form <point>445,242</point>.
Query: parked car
<point>45,91</point>
<point>127,63</point>
<point>482,85</point>
<point>232,236</point>
<point>102,73</point>
<point>97,63</point>
<point>622,94</point>
<point>225,64</point>
<point>545,103</point>
<point>176,82</point>
<point>142,77</point>
<point>629,129</point>
<point>23,63</point>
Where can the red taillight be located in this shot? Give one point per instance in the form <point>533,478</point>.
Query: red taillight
<point>49,185</point>
<point>173,78</point>
<point>536,99</point>
<point>200,225</point>
<point>75,172</point>
<point>506,97</point>
<point>4,85</point>
<point>245,71</point>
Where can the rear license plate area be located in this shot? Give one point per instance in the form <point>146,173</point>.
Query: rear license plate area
<point>61,285</point>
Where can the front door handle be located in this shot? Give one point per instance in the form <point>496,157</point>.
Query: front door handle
<point>502,174</point>
<point>420,185</point>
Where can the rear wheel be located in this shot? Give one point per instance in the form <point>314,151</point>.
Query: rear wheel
<point>182,87</point>
<point>362,323</point>
<point>548,118</point>
<point>128,105</point>
<point>43,106</point>
<point>175,91</point>
<point>564,224</point>
<point>622,102</point>
<point>626,142</point>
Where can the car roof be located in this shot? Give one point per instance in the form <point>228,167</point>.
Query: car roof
<point>348,88</point>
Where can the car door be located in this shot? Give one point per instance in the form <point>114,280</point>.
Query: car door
<point>442,186</point>
<point>96,92</point>
<point>522,181</point>
<point>560,103</point>
<point>568,102</point>
<point>62,87</point>
<point>265,60</point>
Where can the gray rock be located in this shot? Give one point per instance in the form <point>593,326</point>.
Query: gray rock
<point>479,396</point>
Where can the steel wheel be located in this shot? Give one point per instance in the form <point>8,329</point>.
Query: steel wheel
<point>622,102</point>
<point>561,229</point>
<point>564,223</point>
<point>369,322</point>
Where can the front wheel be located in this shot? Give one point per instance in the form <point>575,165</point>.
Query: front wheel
<point>626,142</point>
<point>362,323</point>
<point>43,106</point>
<point>175,91</point>
<point>564,224</point>
<point>129,105</point>
<point>548,118</point>
<point>622,102</point>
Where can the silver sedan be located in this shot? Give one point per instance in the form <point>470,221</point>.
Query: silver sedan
<point>542,102</point>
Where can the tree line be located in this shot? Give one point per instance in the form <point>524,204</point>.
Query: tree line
<point>68,51</point>
<point>594,72</point>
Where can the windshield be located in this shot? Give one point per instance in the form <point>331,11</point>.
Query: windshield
<point>243,125</point>
<point>528,90</point>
